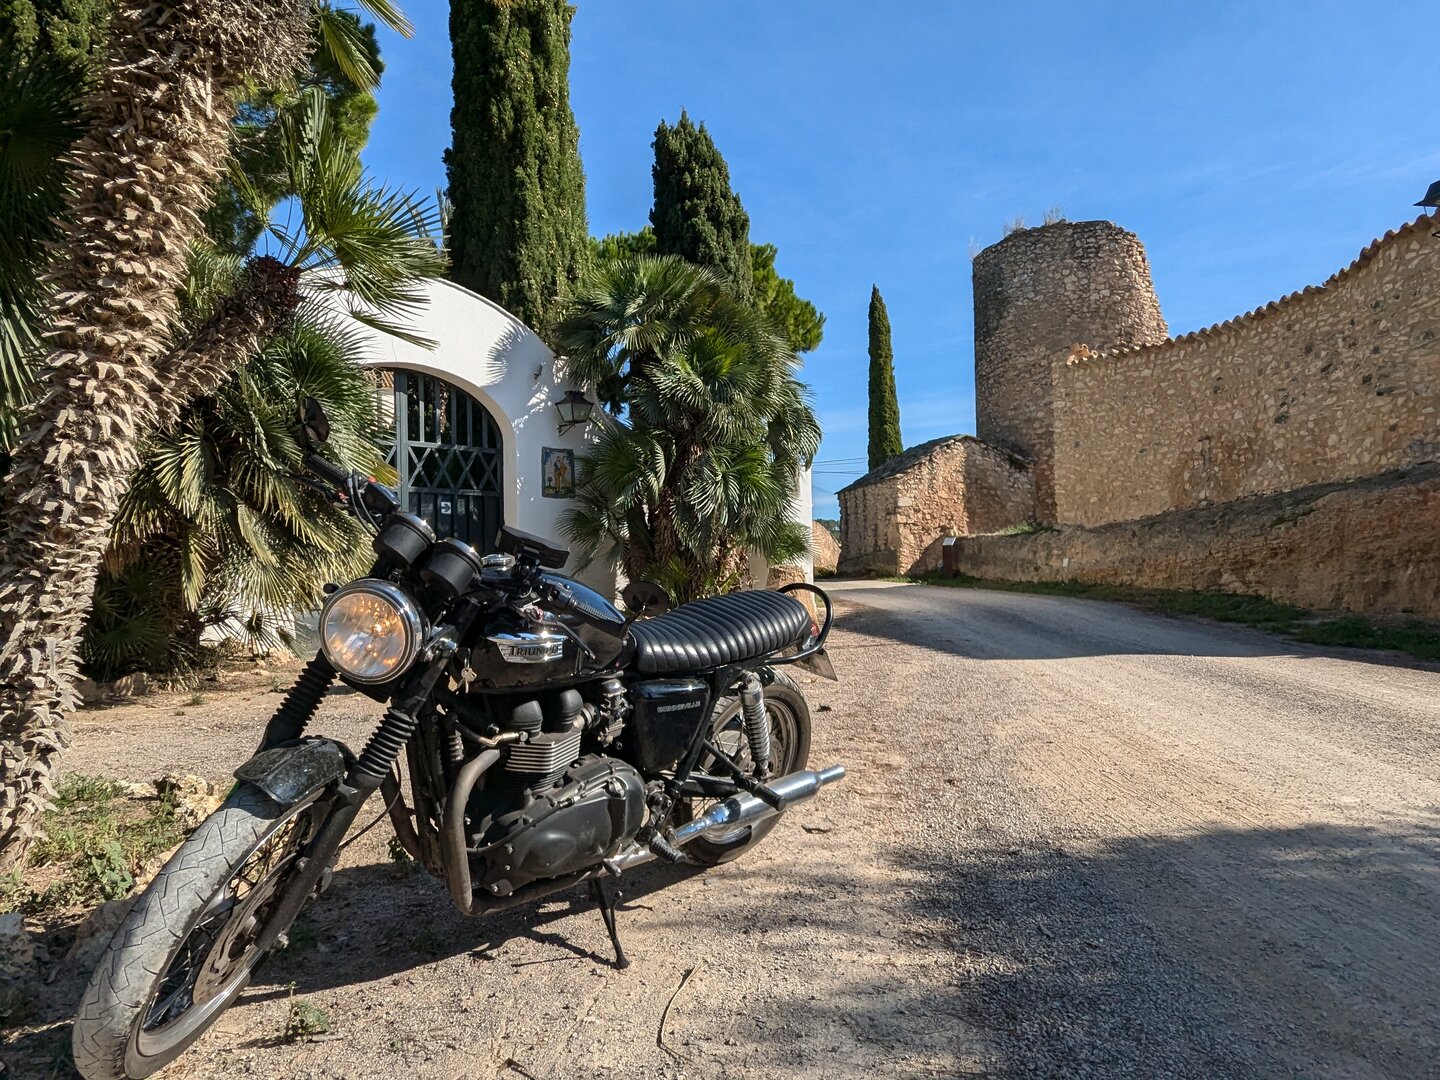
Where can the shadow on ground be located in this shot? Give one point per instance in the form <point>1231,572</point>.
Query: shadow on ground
<point>382,925</point>
<point>1296,952</point>
<point>1229,953</point>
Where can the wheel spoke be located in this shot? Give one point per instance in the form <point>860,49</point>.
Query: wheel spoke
<point>218,949</point>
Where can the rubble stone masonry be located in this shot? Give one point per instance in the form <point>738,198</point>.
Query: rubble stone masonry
<point>1369,546</point>
<point>824,549</point>
<point>1333,383</point>
<point>894,519</point>
<point>1037,293</point>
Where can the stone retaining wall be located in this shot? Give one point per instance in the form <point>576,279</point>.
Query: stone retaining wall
<point>1371,546</point>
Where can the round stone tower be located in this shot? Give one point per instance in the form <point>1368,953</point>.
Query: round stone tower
<point>1037,292</point>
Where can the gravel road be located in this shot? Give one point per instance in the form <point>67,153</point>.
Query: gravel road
<point>1077,840</point>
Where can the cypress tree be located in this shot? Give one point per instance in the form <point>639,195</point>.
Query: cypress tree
<point>696,215</point>
<point>517,230</point>
<point>884,408</point>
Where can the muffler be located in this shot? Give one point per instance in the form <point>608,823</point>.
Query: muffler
<point>744,809</point>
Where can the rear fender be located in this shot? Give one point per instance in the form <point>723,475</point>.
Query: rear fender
<point>297,770</point>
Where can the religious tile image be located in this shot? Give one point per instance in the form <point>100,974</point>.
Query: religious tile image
<point>557,470</point>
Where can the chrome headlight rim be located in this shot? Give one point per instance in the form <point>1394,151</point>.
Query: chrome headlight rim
<point>416,627</point>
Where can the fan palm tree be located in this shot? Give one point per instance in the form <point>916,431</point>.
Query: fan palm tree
<point>216,530</point>
<point>712,430</point>
<point>158,124</point>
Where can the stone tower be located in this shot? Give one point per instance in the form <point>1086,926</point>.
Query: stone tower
<point>1037,292</point>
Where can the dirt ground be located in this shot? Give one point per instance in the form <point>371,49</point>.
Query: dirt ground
<point>1076,840</point>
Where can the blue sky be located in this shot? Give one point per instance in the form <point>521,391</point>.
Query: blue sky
<point>1255,148</point>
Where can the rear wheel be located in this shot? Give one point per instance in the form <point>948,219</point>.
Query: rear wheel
<point>789,751</point>
<point>188,946</point>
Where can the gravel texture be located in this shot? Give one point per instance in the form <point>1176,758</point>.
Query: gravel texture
<point>1077,840</point>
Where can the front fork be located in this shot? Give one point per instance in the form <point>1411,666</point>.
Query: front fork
<point>369,771</point>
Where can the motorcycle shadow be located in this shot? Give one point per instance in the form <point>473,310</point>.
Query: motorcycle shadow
<point>374,923</point>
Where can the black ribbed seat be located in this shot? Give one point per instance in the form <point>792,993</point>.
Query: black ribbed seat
<point>718,630</point>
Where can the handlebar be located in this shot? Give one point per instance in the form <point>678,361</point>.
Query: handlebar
<point>367,499</point>
<point>332,474</point>
<point>558,599</point>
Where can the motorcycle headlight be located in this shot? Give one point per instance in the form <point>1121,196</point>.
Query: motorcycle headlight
<point>371,631</point>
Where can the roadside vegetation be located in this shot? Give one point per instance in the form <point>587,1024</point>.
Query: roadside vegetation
<point>97,839</point>
<point>1411,636</point>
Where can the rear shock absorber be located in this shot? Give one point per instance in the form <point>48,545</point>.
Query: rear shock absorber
<point>757,722</point>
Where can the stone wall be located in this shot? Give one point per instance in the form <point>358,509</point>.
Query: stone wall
<point>1369,546</point>
<point>893,518</point>
<point>1336,382</point>
<point>1037,292</point>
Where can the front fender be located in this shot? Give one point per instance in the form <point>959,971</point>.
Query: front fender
<point>296,770</point>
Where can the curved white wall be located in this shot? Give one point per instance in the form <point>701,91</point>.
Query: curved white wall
<point>496,359</point>
<point>485,351</point>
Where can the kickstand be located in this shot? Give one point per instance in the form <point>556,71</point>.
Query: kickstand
<point>607,912</point>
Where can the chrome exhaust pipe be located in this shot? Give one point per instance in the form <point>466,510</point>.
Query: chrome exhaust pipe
<point>743,809</point>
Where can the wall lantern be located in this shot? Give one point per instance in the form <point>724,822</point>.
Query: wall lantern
<point>574,408</point>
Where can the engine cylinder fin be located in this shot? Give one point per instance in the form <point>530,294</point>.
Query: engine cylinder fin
<point>545,755</point>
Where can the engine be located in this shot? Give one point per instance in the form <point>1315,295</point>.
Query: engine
<point>546,810</point>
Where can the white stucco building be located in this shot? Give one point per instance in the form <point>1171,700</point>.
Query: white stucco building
<point>477,434</point>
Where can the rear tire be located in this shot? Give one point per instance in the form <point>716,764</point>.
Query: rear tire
<point>789,751</point>
<point>202,901</point>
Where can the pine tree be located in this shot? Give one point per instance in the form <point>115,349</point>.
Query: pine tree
<point>884,409</point>
<point>696,215</point>
<point>517,230</point>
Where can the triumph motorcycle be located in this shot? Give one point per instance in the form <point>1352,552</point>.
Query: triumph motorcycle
<point>548,741</point>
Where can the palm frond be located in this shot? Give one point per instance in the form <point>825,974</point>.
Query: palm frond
<point>703,465</point>
<point>342,42</point>
<point>39,119</point>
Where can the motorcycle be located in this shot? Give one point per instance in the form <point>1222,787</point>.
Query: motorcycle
<point>548,739</point>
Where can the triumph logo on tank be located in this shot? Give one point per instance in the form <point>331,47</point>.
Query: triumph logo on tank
<point>528,648</point>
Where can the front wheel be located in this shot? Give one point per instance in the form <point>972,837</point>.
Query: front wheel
<point>187,949</point>
<point>789,751</point>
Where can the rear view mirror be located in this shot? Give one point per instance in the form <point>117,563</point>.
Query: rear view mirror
<point>646,598</point>
<point>314,424</point>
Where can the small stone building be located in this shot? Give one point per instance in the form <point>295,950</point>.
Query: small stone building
<point>824,549</point>
<point>893,519</point>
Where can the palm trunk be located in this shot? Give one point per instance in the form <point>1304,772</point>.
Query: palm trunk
<point>234,333</point>
<point>158,134</point>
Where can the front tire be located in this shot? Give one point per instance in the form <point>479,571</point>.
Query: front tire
<point>790,751</point>
<point>186,950</point>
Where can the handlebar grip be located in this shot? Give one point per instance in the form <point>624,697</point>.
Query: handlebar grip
<point>333,475</point>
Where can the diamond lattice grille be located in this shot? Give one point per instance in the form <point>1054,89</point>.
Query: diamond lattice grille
<point>446,449</point>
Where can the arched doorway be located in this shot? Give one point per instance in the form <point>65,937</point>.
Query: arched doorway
<point>446,448</point>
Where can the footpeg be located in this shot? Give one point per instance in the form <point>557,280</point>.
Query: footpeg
<point>665,850</point>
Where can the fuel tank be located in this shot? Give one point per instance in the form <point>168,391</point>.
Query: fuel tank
<point>510,653</point>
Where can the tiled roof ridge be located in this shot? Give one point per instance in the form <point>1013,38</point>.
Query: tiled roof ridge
<point>1081,354</point>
